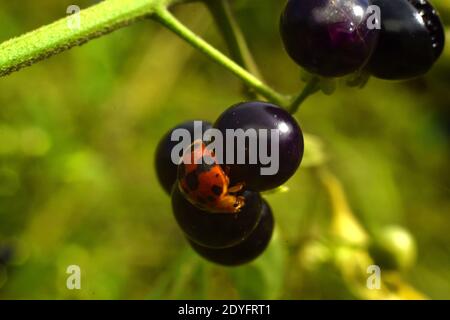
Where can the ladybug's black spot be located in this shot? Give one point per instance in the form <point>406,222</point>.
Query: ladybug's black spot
<point>216,190</point>
<point>192,180</point>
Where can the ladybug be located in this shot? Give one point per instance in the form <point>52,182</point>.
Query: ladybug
<point>204,182</point>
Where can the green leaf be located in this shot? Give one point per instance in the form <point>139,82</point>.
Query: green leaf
<point>263,278</point>
<point>174,280</point>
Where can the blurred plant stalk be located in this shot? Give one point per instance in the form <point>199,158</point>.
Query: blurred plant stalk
<point>349,246</point>
<point>234,38</point>
<point>343,224</point>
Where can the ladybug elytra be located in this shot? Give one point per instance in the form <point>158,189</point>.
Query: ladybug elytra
<point>205,184</point>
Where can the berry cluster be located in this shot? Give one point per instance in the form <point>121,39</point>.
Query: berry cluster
<point>217,205</point>
<point>389,39</point>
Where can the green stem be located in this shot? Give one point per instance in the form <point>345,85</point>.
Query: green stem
<point>310,88</point>
<point>234,38</point>
<point>54,38</point>
<point>232,33</point>
<point>173,24</point>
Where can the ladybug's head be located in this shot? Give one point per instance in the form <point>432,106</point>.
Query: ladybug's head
<point>230,204</point>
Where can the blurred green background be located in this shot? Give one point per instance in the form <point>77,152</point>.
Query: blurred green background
<point>77,183</point>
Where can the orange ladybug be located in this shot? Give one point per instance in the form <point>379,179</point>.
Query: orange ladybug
<point>205,184</point>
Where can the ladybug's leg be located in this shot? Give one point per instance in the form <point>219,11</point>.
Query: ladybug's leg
<point>236,188</point>
<point>227,181</point>
<point>239,203</point>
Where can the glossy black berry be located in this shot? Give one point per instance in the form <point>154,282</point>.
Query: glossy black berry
<point>216,230</point>
<point>166,170</point>
<point>262,117</point>
<point>247,250</point>
<point>328,37</point>
<point>411,39</point>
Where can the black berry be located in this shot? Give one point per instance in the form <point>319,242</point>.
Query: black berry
<point>328,38</point>
<point>263,116</point>
<point>247,250</point>
<point>411,39</point>
<point>166,170</point>
<point>216,230</point>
